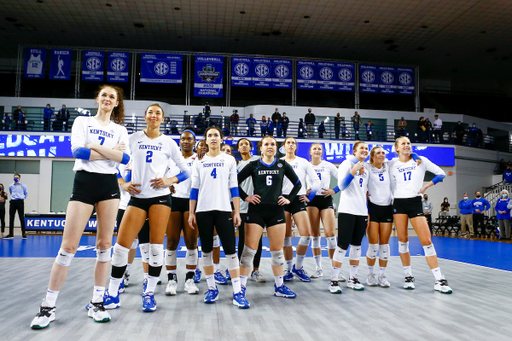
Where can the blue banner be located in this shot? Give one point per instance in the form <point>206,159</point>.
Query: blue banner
<point>35,145</point>
<point>282,73</point>
<point>60,64</point>
<point>92,69</point>
<point>306,75</point>
<point>262,73</point>
<point>405,81</point>
<point>208,76</point>
<point>34,63</point>
<point>387,80</point>
<point>45,223</point>
<point>161,68</point>
<point>369,80</point>
<point>241,71</point>
<point>327,76</point>
<point>118,66</point>
<point>346,76</point>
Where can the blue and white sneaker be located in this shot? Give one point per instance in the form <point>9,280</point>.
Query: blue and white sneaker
<point>211,295</point>
<point>284,291</point>
<point>219,278</point>
<point>98,313</point>
<point>301,274</point>
<point>244,289</point>
<point>288,276</point>
<point>144,284</point>
<point>44,317</point>
<point>240,301</point>
<point>121,289</point>
<point>148,302</point>
<point>197,276</point>
<point>110,302</point>
<point>228,276</point>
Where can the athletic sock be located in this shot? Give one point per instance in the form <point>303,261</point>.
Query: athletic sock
<point>127,271</point>
<point>382,271</point>
<point>289,264</point>
<point>236,284</point>
<point>113,286</point>
<point>335,272</point>
<point>152,282</point>
<point>171,274</point>
<point>51,297</point>
<point>299,260</point>
<point>97,294</point>
<point>210,280</point>
<point>243,280</point>
<point>216,267</point>
<point>437,273</point>
<point>370,269</point>
<point>318,261</point>
<point>353,271</point>
<point>146,275</point>
<point>279,280</point>
<point>407,271</point>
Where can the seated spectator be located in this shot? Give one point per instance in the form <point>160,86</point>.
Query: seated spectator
<point>503,214</point>
<point>445,207</point>
<point>466,215</point>
<point>507,175</point>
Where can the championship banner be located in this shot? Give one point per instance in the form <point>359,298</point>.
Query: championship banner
<point>327,76</point>
<point>118,66</point>
<point>262,73</point>
<point>405,84</point>
<point>161,68</point>
<point>370,77</point>
<point>241,71</point>
<point>306,75</point>
<point>346,74</point>
<point>282,73</point>
<point>387,80</point>
<point>60,64</point>
<point>208,76</point>
<point>92,69</point>
<point>34,63</point>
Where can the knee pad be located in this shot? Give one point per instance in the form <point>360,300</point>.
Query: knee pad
<point>277,258</point>
<point>384,252</point>
<point>156,255</point>
<point>144,252</point>
<point>355,252</point>
<point>315,242</point>
<point>232,261</point>
<point>120,257</point>
<point>134,244</point>
<point>429,250</point>
<point>170,257</point>
<point>247,257</point>
<point>191,257</point>
<point>287,241</point>
<point>339,254</point>
<point>103,256</point>
<point>207,259</point>
<point>372,251</point>
<point>403,247</point>
<point>216,241</point>
<point>64,258</point>
<point>331,243</point>
<point>304,241</point>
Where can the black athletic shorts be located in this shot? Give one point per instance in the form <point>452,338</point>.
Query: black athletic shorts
<point>265,215</point>
<point>410,206</point>
<point>321,202</point>
<point>380,214</point>
<point>295,206</point>
<point>223,223</point>
<point>179,205</point>
<point>143,235</point>
<point>146,203</point>
<point>91,188</point>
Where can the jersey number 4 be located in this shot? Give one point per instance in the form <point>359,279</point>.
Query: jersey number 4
<point>214,173</point>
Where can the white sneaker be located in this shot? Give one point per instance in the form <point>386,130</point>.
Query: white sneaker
<point>383,281</point>
<point>318,273</point>
<point>354,284</point>
<point>190,287</point>
<point>341,278</point>
<point>258,277</point>
<point>409,283</point>
<point>170,290</point>
<point>44,317</point>
<point>126,280</point>
<point>98,313</point>
<point>371,280</point>
<point>334,287</point>
<point>442,287</point>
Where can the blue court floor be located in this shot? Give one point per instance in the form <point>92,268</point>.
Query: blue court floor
<point>485,253</point>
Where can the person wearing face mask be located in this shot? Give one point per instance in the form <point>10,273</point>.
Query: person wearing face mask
<point>427,210</point>
<point>3,199</point>
<point>503,214</point>
<point>459,133</point>
<point>507,175</point>
<point>445,207</point>
<point>466,216</point>
<point>479,206</point>
<point>18,193</point>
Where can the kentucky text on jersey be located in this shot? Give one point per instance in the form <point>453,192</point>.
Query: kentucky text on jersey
<point>150,147</point>
<point>101,133</point>
<point>268,172</point>
<point>213,164</point>
<point>406,169</point>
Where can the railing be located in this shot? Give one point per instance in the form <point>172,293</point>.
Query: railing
<point>493,194</point>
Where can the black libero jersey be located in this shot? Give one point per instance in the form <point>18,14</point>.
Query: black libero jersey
<point>268,180</point>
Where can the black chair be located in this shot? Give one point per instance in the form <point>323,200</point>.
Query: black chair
<point>454,225</point>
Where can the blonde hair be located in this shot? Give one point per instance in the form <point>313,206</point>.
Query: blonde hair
<point>316,143</point>
<point>396,143</point>
<point>356,145</point>
<point>372,153</point>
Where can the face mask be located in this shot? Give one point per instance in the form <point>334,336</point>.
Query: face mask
<point>402,119</point>
<point>466,198</point>
<point>445,200</point>
<point>63,107</point>
<point>505,195</point>
<point>474,126</point>
<point>426,198</point>
<point>16,180</point>
<point>478,196</point>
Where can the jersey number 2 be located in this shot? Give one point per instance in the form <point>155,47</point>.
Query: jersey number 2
<point>149,156</point>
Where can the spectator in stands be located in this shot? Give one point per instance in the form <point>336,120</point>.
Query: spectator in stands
<point>479,206</point>
<point>321,130</point>
<point>251,124</point>
<point>270,127</point>
<point>420,129</point>
<point>47,117</point>
<point>6,122</point>
<point>337,125</point>
<point>445,207</point>
<point>174,127</point>
<point>356,121</point>
<point>369,132</point>
<point>285,122</point>
<point>263,126</point>
<point>301,128</point>
<point>474,136</point>
<point>466,216</point>
<point>428,130</point>
<point>234,123</point>
<point>199,124</point>
<point>507,175</point>
<point>207,111</point>
<point>276,121</point>
<point>23,120</point>
<point>17,116</point>
<point>427,210</point>
<point>167,126</point>
<point>502,166</point>
<point>310,119</point>
<point>344,131</point>
<point>503,214</point>
<point>63,117</point>
<point>402,127</point>
<point>438,129</point>
<point>459,133</point>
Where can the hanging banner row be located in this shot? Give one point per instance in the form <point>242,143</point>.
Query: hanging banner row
<point>386,80</point>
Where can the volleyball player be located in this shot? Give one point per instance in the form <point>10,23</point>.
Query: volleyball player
<point>215,175</point>
<point>201,150</point>
<point>266,210</point>
<point>97,143</point>
<point>178,221</point>
<point>152,154</point>
<point>407,183</point>
<point>297,210</point>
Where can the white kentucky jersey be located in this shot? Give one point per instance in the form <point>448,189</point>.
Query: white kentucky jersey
<point>125,196</point>
<point>303,169</point>
<point>34,65</point>
<point>407,177</point>
<point>353,197</point>
<point>151,158</point>
<point>324,170</point>
<point>379,185</point>
<point>182,189</point>
<point>87,130</point>
<point>247,185</point>
<point>214,177</point>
